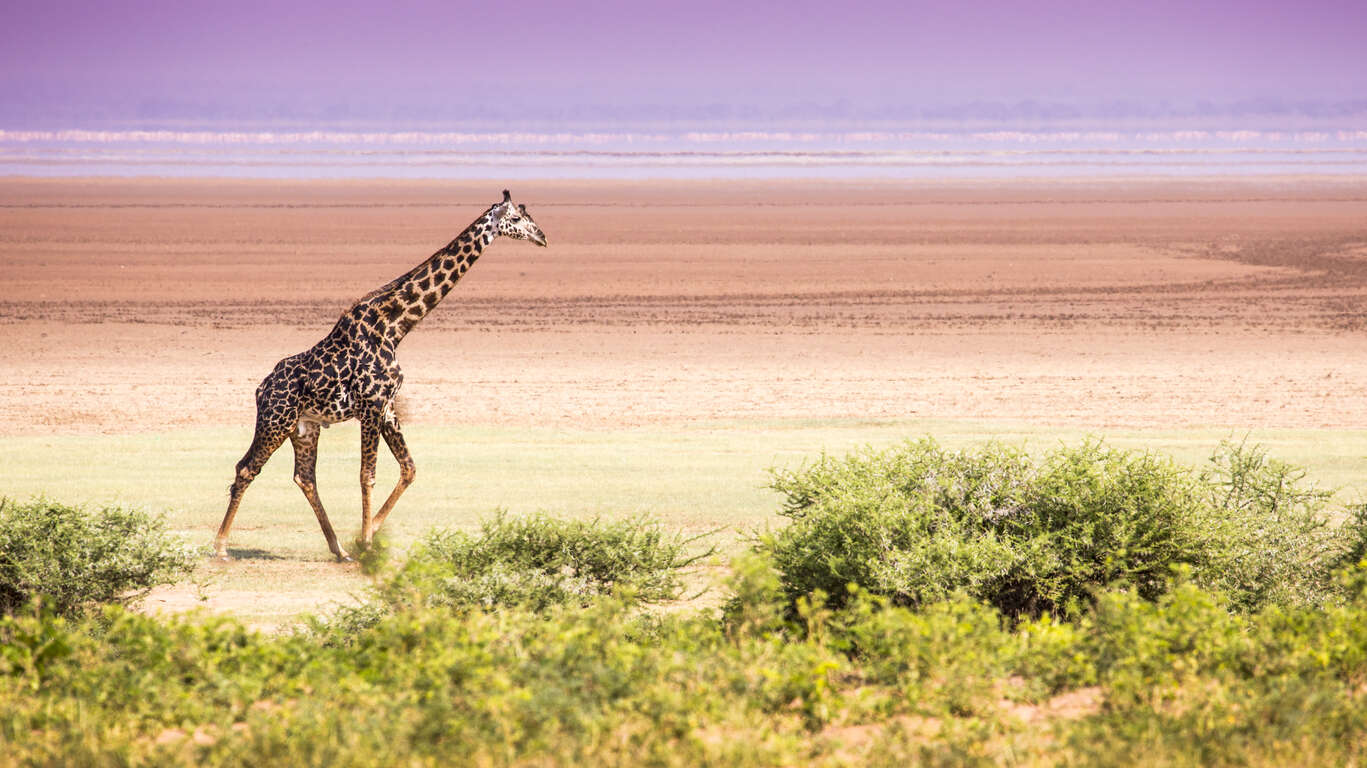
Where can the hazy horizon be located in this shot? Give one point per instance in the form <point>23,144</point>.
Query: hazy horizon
<point>316,64</point>
<point>611,87</point>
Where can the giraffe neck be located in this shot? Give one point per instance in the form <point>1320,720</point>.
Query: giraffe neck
<point>408,298</point>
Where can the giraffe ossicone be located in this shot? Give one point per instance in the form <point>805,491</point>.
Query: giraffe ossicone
<point>353,373</point>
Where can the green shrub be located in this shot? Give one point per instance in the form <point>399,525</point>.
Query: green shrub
<point>1148,652</point>
<point>1183,685</point>
<point>1178,669</point>
<point>1353,537</point>
<point>72,559</point>
<point>1187,681</point>
<point>1279,544</point>
<point>569,685</point>
<point>757,606</point>
<point>1180,680</point>
<point>1053,655</point>
<point>947,656</point>
<point>538,561</point>
<point>30,645</point>
<point>1100,517</point>
<point>918,523</point>
<point>914,523</point>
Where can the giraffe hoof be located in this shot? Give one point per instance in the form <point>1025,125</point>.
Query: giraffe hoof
<point>343,557</point>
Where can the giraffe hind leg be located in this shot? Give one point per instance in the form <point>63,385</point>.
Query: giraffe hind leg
<point>263,445</point>
<point>370,442</point>
<point>305,442</point>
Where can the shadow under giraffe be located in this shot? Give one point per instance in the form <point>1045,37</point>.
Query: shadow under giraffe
<point>353,374</point>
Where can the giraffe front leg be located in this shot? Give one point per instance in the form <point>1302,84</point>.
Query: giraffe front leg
<point>305,442</point>
<point>370,444</point>
<point>407,470</point>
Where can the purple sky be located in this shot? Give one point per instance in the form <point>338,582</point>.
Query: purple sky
<point>65,63</point>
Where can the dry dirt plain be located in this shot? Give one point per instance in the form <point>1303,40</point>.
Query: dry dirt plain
<point>148,305</point>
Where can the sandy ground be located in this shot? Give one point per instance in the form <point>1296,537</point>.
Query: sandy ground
<point>154,304</point>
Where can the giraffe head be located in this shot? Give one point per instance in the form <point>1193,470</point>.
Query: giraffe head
<point>514,221</point>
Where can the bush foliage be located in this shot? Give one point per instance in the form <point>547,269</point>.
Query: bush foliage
<point>918,523</point>
<point>1148,647</point>
<point>538,561</point>
<point>72,559</point>
<point>1177,680</point>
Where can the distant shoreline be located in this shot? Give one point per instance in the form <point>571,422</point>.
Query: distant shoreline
<point>732,154</point>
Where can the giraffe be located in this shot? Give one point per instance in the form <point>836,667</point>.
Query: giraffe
<point>352,374</point>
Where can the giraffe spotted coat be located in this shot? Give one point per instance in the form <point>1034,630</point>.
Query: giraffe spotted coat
<point>353,373</point>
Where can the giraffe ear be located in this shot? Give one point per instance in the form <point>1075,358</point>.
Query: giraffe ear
<point>522,208</point>
<point>507,197</point>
